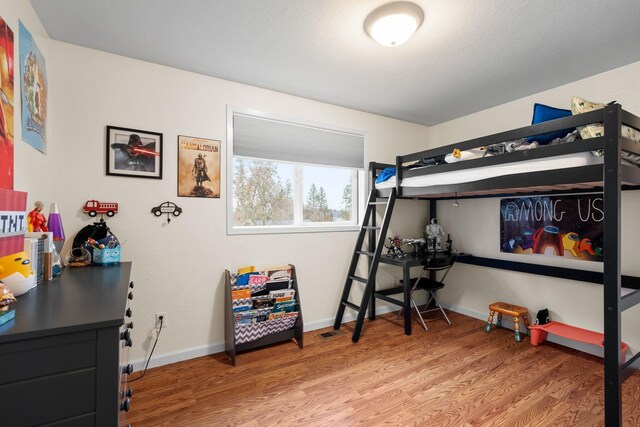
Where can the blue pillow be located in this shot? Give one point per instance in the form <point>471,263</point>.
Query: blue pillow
<point>386,174</point>
<point>544,113</point>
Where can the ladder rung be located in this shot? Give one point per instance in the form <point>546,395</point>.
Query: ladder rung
<point>366,253</point>
<point>370,227</point>
<point>358,279</point>
<point>351,305</point>
<point>377,203</point>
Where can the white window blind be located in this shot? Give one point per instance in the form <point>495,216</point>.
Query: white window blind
<point>263,138</point>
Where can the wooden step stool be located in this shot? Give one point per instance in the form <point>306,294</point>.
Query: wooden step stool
<point>510,310</point>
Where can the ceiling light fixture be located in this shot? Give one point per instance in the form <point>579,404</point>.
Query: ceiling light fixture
<point>455,203</point>
<point>394,23</point>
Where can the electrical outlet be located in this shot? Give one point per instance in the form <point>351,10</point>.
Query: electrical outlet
<point>163,316</point>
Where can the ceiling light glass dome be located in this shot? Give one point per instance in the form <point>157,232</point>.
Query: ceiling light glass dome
<point>394,23</point>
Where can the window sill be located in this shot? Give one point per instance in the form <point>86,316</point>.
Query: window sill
<point>289,229</point>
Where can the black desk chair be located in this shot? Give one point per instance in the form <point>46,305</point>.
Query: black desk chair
<point>439,263</point>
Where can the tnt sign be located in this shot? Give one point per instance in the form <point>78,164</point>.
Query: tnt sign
<point>13,221</point>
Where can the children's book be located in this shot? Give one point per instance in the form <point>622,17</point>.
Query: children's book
<point>262,301</point>
<point>286,306</point>
<point>258,279</point>
<point>241,294</point>
<point>245,270</point>
<point>278,273</point>
<point>278,315</point>
<point>284,293</point>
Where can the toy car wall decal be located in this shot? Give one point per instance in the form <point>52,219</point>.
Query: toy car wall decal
<point>94,207</point>
<point>168,208</point>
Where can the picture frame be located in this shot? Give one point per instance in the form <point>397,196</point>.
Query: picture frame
<point>134,153</point>
<point>198,167</point>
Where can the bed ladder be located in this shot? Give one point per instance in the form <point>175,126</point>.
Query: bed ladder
<point>374,253</point>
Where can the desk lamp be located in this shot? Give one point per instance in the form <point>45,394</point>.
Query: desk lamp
<point>55,226</point>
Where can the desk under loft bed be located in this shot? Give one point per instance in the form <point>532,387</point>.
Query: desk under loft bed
<point>561,169</point>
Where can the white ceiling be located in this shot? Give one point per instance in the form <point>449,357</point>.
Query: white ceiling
<point>467,56</point>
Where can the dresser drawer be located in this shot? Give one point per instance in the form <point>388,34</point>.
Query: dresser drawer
<point>27,359</point>
<point>57,396</point>
<point>87,420</point>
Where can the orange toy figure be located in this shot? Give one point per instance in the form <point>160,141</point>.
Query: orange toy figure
<point>36,220</point>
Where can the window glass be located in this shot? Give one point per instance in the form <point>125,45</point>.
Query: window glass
<point>327,194</point>
<point>262,193</point>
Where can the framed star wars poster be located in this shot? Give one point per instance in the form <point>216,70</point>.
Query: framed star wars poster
<point>134,153</point>
<point>198,167</point>
<point>568,226</point>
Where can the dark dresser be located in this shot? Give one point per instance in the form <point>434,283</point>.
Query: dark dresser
<point>63,357</point>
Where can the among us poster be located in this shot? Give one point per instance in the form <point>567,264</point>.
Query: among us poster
<point>559,226</point>
<point>198,167</point>
<point>6,106</point>
<point>33,75</point>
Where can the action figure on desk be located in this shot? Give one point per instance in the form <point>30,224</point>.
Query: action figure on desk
<point>36,221</point>
<point>395,247</point>
<point>434,231</point>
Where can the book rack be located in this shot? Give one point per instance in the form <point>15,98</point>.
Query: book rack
<point>240,337</point>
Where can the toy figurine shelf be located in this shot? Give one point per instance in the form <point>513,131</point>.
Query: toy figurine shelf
<point>240,336</point>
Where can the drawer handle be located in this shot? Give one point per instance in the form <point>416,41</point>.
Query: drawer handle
<point>131,285</point>
<point>130,296</point>
<point>128,369</point>
<point>129,312</point>
<point>125,405</point>
<point>125,336</point>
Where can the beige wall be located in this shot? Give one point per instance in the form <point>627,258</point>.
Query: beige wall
<point>475,224</point>
<point>178,267</point>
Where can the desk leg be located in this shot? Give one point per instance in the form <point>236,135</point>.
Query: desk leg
<point>407,299</point>
<point>372,301</point>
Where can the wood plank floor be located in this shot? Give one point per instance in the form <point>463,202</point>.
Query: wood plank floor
<point>455,375</point>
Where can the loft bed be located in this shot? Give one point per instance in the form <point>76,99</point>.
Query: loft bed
<point>565,168</point>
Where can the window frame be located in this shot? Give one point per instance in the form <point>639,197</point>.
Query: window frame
<point>357,196</point>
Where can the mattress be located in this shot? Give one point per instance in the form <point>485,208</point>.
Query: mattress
<point>486,172</point>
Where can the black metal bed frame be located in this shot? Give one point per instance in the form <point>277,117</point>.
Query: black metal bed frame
<point>609,178</point>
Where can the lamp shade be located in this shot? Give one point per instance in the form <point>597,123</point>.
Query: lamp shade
<point>55,226</point>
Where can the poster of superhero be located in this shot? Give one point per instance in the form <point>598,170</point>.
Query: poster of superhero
<point>198,167</point>
<point>33,75</point>
<point>560,226</point>
<point>6,106</point>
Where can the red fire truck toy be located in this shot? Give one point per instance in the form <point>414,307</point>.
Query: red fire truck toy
<point>94,207</point>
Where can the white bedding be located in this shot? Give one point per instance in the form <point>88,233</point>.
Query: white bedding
<point>477,174</point>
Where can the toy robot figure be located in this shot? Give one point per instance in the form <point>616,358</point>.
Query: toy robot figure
<point>434,232</point>
<point>200,170</point>
<point>395,247</point>
<point>36,221</point>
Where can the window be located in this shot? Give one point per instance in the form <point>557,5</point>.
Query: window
<point>292,177</point>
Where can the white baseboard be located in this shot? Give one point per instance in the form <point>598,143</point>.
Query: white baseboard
<point>178,356</point>
<point>218,347</point>
<point>349,316</point>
